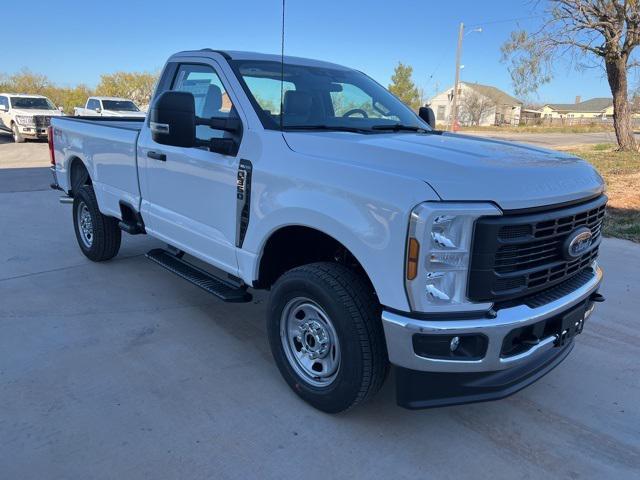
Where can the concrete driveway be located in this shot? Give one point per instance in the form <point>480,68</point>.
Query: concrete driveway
<point>122,370</point>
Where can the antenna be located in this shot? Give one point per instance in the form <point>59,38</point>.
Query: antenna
<point>282,70</point>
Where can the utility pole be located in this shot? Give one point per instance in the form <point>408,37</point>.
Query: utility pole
<point>456,87</point>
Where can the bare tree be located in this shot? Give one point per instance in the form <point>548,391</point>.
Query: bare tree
<point>602,31</point>
<point>474,106</point>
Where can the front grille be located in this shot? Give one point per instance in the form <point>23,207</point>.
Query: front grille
<point>42,121</point>
<point>553,293</point>
<point>517,255</point>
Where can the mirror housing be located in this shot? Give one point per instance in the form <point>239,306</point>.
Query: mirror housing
<point>98,110</point>
<point>172,119</point>
<point>426,114</point>
<point>61,108</point>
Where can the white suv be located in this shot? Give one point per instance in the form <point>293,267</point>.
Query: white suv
<point>26,116</point>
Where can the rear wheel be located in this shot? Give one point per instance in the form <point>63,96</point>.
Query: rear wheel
<point>15,133</point>
<point>98,235</point>
<point>326,336</point>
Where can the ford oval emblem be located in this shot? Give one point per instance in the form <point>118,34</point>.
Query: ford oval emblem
<point>577,243</point>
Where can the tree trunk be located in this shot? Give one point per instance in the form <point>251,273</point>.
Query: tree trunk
<point>617,76</point>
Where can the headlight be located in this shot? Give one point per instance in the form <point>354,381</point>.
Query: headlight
<point>438,255</point>
<point>24,120</point>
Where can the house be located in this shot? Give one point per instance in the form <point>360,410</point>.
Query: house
<point>477,105</point>
<point>596,108</point>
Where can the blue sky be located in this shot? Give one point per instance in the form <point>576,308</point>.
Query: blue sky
<point>75,41</point>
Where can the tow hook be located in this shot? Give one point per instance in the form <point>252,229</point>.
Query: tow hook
<point>66,200</point>
<point>597,297</point>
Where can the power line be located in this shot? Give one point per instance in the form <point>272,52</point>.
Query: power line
<point>491,22</point>
<point>506,20</point>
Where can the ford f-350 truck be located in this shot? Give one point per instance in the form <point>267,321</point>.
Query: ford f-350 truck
<point>26,116</point>
<point>467,264</point>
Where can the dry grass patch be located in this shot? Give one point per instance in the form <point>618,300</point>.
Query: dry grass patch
<point>542,129</point>
<point>621,171</point>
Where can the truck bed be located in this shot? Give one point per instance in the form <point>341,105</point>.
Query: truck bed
<point>107,147</point>
<point>128,123</point>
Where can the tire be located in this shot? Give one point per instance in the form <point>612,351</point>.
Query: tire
<point>17,137</point>
<point>310,307</point>
<point>98,235</point>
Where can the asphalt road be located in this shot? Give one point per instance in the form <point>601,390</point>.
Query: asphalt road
<point>123,370</point>
<point>553,140</point>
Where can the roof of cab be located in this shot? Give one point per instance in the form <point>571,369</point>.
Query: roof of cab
<point>118,99</point>
<point>22,95</point>
<point>267,57</point>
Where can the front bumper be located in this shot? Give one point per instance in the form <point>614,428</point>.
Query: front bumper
<point>505,374</point>
<point>31,131</point>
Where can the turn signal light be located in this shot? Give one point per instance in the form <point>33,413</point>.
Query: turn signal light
<point>413,253</point>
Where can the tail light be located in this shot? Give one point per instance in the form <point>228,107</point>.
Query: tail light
<point>50,140</point>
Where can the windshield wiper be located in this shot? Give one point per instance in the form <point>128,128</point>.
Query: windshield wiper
<point>337,128</point>
<point>398,126</point>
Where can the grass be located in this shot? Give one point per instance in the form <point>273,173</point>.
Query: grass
<point>542,129</point>
<point>621,171</point>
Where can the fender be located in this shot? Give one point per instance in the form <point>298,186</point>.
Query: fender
<point>373,229</point>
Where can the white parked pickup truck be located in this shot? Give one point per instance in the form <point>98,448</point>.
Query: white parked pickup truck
<point>468,264</point>
<point>26,116</point>
<point>109,107</point>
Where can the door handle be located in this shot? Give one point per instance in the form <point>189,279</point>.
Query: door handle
<point>157,156</point>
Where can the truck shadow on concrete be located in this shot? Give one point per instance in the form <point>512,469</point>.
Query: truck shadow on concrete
<point>24,179</point>
<point>5,137</point>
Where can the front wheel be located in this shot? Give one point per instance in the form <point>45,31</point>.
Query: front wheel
<point>326,336</point>
<point>15,133</point>
<point>98,235</point>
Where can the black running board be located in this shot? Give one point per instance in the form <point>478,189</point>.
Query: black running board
<point>222,289</point>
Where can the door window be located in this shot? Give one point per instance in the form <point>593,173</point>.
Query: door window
<point>5,102</point>
<point>211,97</point>
<point>93,104</point>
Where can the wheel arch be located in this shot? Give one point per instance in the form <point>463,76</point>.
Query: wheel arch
<point>293,245</point>
<point>78,173</point>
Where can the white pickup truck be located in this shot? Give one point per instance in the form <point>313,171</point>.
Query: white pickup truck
<point>109,107</point>
<point>26,116</point>
<point>468,264</point>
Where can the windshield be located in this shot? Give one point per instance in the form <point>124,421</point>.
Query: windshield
<point>32,103</point>
<point>323,98</point>
<point>120,105</point>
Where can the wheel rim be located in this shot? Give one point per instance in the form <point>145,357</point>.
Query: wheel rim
<point>310,342</point>
<point>85,224</point>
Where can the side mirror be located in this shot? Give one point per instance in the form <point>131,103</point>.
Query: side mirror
<point>426,114</point>
<point>98,110</point>
<point>61,108</point>
<point>172,119</point>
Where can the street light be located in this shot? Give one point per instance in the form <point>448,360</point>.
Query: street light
<point>456,87</point>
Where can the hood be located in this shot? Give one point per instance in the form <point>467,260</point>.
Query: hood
<point>462,167</point>
<point>121,113</point>
<point>29,112</point>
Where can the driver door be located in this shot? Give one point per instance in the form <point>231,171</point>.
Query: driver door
<point>189,194</point>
